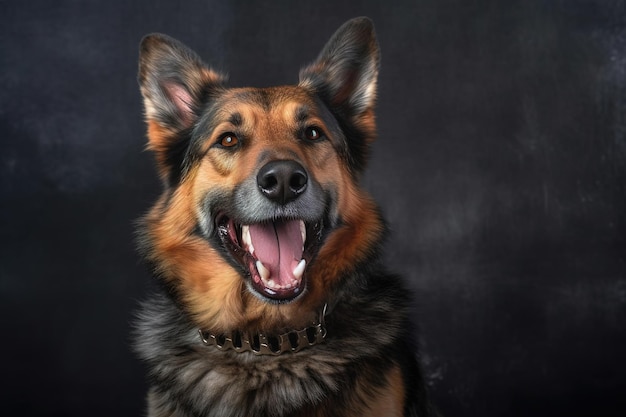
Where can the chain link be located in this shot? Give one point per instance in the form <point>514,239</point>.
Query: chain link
<point>261,344</point>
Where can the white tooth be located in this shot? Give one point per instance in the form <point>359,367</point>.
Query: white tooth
<point>263,271</point>
<point>245,234</point>
<point>247,241</point>
<point>303,232</point>
<point>271,284</point>
<point>299,269</point>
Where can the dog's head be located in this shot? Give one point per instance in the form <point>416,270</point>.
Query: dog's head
<point>262,215</point>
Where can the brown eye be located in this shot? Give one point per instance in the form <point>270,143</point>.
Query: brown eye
<point>228,140</point>
<point>313,133</point>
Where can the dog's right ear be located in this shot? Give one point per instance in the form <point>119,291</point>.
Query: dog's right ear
<point>344,76</point>
<point>174,83</point>
<point>345,72</point>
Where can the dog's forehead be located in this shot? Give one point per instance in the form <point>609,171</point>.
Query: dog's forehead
<point>290,103</point>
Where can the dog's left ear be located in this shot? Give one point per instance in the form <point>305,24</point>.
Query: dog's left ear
<point>346,70</point>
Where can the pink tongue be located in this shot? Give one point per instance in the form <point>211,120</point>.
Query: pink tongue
<point>278,246</point>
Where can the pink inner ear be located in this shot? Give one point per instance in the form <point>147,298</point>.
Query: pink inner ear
<point>181,98</point>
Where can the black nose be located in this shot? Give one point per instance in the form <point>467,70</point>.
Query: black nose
<point>282,181</point>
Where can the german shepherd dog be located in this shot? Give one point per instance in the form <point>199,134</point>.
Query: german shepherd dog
<point>274,300</point>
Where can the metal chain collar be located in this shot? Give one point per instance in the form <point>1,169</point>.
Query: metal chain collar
<point>262,344</point>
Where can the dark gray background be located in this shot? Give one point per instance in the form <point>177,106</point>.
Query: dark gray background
<point>501,167</point>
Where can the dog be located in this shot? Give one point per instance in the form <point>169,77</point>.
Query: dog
<point>273,297</point>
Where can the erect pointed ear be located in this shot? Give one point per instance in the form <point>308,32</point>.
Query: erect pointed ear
<point>346,70</point>
<point>174,83</point>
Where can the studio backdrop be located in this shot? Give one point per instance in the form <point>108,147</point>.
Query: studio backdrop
<point>500,166</point>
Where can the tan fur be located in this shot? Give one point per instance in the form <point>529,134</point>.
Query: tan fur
<point>390,400</point>
<point>158,137</point>
<point>387,401</point>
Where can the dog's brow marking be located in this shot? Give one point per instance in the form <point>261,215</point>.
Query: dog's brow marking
<point>235,119</point>
<point>302,113</point>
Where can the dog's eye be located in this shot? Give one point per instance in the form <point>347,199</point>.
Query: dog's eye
<point>313,133</point>
<point>228,140</point>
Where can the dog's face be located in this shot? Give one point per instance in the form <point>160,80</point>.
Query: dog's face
<point>262,215</point>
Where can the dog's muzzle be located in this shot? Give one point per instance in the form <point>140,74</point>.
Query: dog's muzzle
<point>274,228</point>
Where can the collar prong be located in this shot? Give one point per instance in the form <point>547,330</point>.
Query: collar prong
<point>262,344</point>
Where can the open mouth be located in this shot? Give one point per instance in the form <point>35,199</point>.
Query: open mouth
<point>275,253</point>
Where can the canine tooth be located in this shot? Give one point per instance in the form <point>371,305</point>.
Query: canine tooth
<point>263,271</point>
<point>303,232</point>
<point>245,237</point>
<point>299,269</point>
<point>245,234</point>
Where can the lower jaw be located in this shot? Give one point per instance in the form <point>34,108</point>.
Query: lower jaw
<point>275,295</point>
